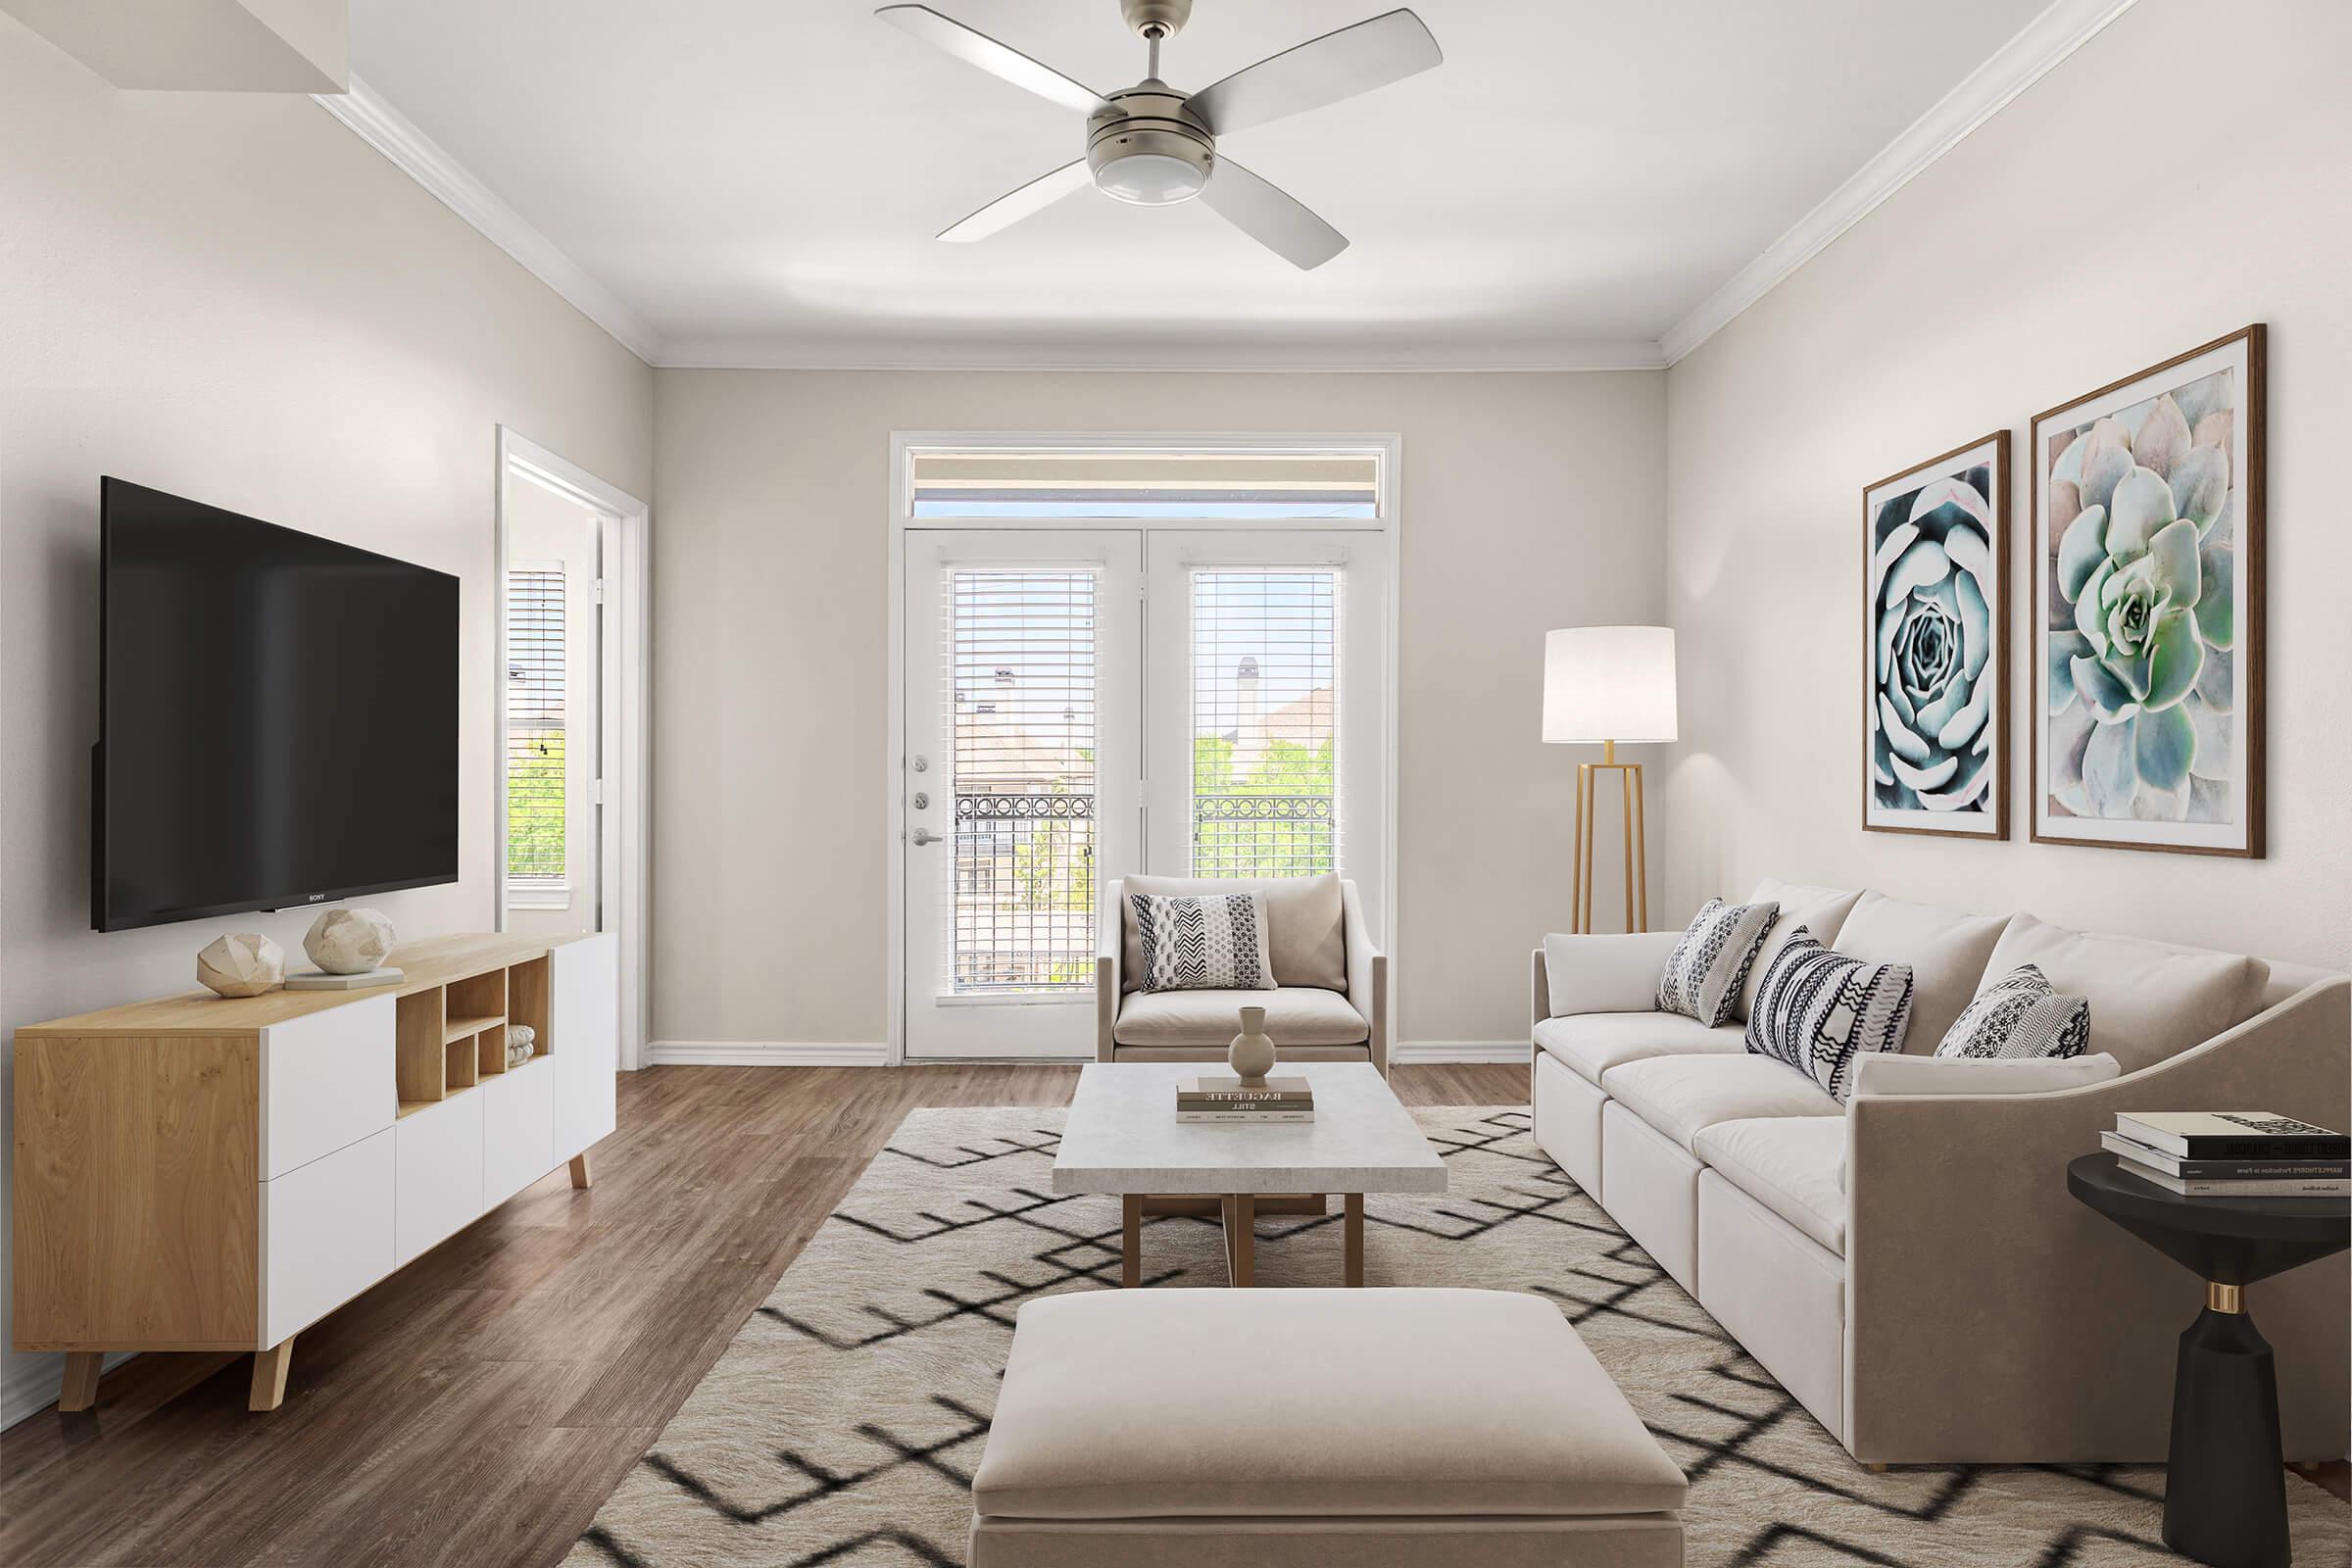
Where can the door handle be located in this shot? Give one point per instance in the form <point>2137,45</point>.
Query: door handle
<point>922,835</point>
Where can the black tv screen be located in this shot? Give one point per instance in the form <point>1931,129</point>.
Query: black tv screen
<point>277,719</point>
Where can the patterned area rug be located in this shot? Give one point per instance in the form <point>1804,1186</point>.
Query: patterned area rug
<point>843,1424</point>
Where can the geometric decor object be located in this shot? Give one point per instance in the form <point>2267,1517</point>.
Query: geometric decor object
<point>1936,627</point>
<point>244,964</point>
<point>2147,717</point>
<point>349,940</point>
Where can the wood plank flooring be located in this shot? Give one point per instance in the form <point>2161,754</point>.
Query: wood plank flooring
<point>477,1408</point>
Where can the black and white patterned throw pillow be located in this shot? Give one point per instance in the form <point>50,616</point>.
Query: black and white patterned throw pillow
<point>2017,1016</point>
<point>1817,1011</point>
<point>1703,977</point>
<point>1202,942</point>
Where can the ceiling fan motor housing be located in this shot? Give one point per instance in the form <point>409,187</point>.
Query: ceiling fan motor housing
<point>1142,128</point>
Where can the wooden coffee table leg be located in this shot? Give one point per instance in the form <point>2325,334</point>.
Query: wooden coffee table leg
<point>1351,1231</point>
<point>1130,1240</point>
<point>1240,1240</point>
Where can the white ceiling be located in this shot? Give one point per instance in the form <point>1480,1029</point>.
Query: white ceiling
<point>759,181</point>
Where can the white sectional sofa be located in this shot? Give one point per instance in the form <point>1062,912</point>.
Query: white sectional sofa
<point>1910,1265</point>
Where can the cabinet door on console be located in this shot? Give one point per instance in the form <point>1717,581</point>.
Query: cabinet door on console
<point>437,1173</point>
<point>326,1235</point>
<point>587,1039</point>
<point>328,1082</point>
<point>518,1129</point>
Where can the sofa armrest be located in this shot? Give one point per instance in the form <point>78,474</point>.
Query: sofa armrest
<point>1110,946</point>
<point>1604,973</point>
<point>1367,975</point>
<point>1991,1317</point>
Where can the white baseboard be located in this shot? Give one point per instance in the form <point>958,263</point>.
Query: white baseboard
<point>766,1053</point>
<point>32,1385</point>
<point>1409,1051</point>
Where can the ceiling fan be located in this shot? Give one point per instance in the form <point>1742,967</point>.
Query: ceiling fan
<point>1153,145</point>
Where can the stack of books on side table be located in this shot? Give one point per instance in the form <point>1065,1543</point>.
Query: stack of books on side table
<point>2232,1154</point>
<point>1229,1100</point>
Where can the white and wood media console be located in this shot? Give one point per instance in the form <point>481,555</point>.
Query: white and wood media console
<point>203,1173</point>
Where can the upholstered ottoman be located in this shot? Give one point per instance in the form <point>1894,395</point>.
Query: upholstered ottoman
<point>1331,1428</point>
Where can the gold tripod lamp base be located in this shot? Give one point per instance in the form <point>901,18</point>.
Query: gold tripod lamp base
<point>1637,848</point>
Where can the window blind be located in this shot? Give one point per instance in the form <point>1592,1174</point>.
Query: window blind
<point>535,761</point>
<point>1265,745</point>
<point>1105,483</point>
<point>1020,661</point>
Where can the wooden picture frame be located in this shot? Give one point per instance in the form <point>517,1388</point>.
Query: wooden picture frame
<point>2126,620</point>
<point>1935,645</point>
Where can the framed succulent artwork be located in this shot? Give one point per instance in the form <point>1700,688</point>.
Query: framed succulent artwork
<point>1935,657</point>
<point>2147,549</point>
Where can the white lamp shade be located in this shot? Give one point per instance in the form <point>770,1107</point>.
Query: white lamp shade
<point>1609,683</point>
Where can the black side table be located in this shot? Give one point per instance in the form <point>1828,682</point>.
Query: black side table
<point>2225,1492</point>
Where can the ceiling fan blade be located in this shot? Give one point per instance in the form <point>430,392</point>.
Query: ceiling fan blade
<point>1013,206</point>
<point>996,58</point>
<point>1322,70</point>
<point>1270,215</point>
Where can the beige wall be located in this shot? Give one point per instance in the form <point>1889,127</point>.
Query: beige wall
<point>2187,171</point>
<point>1531,501</point>
<point>235,297</point>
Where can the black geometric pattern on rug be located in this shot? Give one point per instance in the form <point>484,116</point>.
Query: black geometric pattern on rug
<point>844,1423</point>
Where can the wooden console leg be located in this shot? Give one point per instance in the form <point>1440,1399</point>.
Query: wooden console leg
<point>1240,1240</point>
<point>269,1375</point>
<point>79,1388</point>
<point>580,1170</point>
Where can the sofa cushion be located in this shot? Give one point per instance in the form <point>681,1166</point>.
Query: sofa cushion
<point>1296,1016</point>
<point>1585,973</point>
<point>1820,911</point>
<point>2150,1000</point>
<point>1789,1165</point>
<point>1479,1402</point>
<point>1817,1009</point>
<point>1682,1095</point>
<point>1202,941</point>
<point>1704,971</point>
<point>1946,951</point>
<point>1307,930</point>
<point>2019,1017</point>
<point>1590,1044</point>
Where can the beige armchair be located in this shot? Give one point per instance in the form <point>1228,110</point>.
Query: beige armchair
<point>1330,1002</point>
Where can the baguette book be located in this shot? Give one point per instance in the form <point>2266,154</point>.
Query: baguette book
<point>2241,1134</point>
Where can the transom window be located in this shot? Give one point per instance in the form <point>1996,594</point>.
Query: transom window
<point>1008,483</point>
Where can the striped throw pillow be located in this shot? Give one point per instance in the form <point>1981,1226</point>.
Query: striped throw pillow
<point>2019,1015</point>
<point>1817,1011</point>
<point>1703,977</point>
<point>1202,942</point>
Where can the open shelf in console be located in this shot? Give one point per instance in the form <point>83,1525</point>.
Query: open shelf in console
<point>451,1037</point>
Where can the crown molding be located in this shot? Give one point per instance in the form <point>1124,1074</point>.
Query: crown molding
<point>390,132</point>
<point>756,353</point>
<point>2024,60</point>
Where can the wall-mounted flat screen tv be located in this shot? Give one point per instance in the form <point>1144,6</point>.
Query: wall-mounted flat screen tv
<point>278,716</point>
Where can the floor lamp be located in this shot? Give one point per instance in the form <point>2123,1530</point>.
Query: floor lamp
<point>1609,684</point>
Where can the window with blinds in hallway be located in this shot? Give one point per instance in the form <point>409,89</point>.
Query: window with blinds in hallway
<point>1021,661</point>
<point>1264,792</point>
<point>535,763</point>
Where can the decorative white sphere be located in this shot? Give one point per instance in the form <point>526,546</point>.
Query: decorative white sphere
<point>349,940</point>
<point>244,964</point>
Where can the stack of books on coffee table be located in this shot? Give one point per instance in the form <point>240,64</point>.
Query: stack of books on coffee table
<point>2232,1154</point>
<point>1229,1100</point>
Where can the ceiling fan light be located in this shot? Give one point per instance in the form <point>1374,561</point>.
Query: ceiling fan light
<point>1150,180</point>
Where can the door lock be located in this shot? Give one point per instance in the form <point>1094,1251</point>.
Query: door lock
<point>922,800</point>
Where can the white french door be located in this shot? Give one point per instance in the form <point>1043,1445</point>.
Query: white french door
<point>1085,703</point>
<point>1023,762</point>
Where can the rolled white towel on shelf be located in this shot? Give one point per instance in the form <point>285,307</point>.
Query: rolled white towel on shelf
<point>521,1040</point>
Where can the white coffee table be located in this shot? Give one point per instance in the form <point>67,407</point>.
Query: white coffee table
<point>1123,1137</point>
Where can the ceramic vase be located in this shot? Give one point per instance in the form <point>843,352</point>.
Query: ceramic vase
<point>1252,1054</point>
